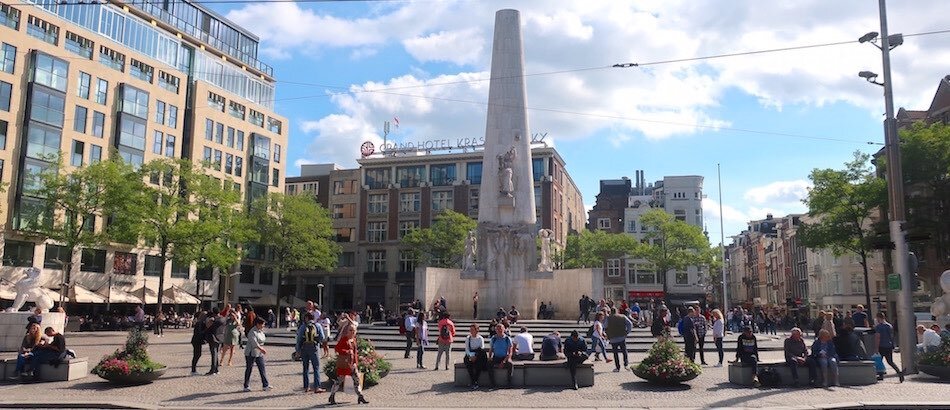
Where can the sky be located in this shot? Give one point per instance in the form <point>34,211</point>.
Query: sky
<point>767,119</point>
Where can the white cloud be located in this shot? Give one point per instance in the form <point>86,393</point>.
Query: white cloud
<point>779,192</point>
<point>652,101</point>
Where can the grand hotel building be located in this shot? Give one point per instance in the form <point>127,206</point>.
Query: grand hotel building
<point>143,79</point>
<point>375,205</point>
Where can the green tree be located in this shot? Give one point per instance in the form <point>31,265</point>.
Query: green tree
<point>443,244</point>
<point>671,244</point>
<point>297,230</point>
<point>594,248</point>
<point>843,203</point>
<point>166,213</point>
<point>76,199</point>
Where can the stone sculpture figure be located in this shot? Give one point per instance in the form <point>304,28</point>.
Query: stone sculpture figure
<point>546,236</point>
<point>471,247</point>
<point>28,290</point>
<point>941,305</point>
<point>506,173</point>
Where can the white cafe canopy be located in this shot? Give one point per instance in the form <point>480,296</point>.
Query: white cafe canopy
<point>80,294</point>
<point>270,299</point>
<point>147,294</point>
<point>179,296</point>
<point>119,296</point>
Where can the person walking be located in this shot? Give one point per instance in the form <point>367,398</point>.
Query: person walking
<point>347,359</point>
<point>719,332</point>
<point>422,338</point>
<point>198,339</point>
<point>446,336</point>
<point>618,327</point>
<point>232,337</point>
<point>475,306</point>
<point>309,338</point>
<point>254,354</point>
<point>599,337</point>
<point>475,358</point>
<point>409,322</point>
<point>884,340</point>
<point>214,335</point>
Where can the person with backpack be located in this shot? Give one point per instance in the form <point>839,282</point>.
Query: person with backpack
<point>618,327</point>
<point>214,335</point>
<point>422,338</point>
<point>197,339</point>
<point>309,338</point>
<point>444,342</point>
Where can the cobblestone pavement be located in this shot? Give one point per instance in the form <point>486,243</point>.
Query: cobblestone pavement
<point>407,387</point>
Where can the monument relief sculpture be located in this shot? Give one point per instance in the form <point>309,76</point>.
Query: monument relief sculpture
<point>28,290</point>
<point>505,172</point>
<point>471,247</point>
<point>546,236</point>
<point>941,305</point>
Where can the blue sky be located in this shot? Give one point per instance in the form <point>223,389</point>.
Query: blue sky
<point>426,62</point>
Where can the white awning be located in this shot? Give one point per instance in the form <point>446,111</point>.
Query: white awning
<point>80,294</point>
<point>149,295</point>
<point>179,296</point>
<point>116,295</point>
<point>270,299</point>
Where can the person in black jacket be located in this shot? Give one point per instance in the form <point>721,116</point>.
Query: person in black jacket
<point>197,339</point>
<point>214,335</point>
<point>747,352</point>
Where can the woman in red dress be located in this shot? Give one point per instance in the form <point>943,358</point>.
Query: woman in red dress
<point>346,364</point>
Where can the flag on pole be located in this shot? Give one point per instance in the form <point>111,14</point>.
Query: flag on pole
<point>396,121</point>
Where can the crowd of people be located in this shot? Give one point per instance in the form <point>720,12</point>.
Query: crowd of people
<point>38,347</point>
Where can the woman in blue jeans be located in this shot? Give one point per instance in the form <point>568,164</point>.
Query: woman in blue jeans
<point>30,340</point>
<point>254,354</point>
<point>599,338</point>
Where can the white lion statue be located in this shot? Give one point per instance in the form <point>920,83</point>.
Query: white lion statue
<point>28,290</point>
<point>941,305</point>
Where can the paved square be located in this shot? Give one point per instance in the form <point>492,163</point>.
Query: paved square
<point>407,387</point>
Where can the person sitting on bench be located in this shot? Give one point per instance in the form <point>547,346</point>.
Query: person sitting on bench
<point>524,345</point>
<point>475,358</point>
<point>500,353</point>
<point>747,352</point>
<point>49,352</point>
<point>575,349</point>
<point>551,347</point>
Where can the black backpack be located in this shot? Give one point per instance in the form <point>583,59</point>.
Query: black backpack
<point>444,333</point>
<point>590,332</point>
<point>768,377</point>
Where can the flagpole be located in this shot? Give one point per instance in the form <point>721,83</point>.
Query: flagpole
<point>722,246</point>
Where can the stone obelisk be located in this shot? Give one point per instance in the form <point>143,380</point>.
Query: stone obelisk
<point>506,214</point>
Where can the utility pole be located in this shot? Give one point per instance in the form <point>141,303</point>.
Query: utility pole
<point>722,246</point>
<point>895,190</point>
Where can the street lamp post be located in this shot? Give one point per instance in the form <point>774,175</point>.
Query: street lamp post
<point>320,295</point>
<point>895,190</point>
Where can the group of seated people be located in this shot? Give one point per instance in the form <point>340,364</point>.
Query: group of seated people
<point>932,338</point>
<point>511,316</point>
<point>503,349</point>
<point>38,347</point>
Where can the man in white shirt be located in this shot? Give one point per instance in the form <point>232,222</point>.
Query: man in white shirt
<point>312,308</point>
<point>410,324</point>
<point>524,345</point>
<point>930,338</point>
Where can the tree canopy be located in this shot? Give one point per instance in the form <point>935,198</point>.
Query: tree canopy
<point>443,244</point>
<point>297,230</point>
<point>672,244</point>
<point>593,248</point>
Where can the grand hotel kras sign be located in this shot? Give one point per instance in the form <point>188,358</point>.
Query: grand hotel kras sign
<point>368,148</point>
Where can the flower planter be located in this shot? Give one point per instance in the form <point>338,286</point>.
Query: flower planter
<point>132,379</point>
<point>942,372</point>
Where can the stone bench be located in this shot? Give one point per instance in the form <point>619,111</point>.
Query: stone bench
<point>69,369</point>
<point>850,373</point>
<point>531,373</point>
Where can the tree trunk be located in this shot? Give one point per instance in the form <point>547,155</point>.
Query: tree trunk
<point>161,284</point>
<point>867,286</point>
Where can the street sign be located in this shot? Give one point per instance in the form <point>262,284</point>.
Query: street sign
<point>894,282</point>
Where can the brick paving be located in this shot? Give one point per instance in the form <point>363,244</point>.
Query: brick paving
<point>407,387</point>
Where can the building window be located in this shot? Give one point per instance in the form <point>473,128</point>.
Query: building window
<point>603,223</point>
<point>276,153</point>
<point>4,126</point>
<point>134,101</point>
<point>47,107</point>
<point>407,226</point>
<point>645,276</point>
<point>215,101</point>
<point>6,92</point>
<point>347,260</point>
<point>141,71</point>
<point>273,125</point>
<point>240,140</point>
<point>228,164</point>
<point>172,116</point>
<point>376,231</point>
<point>111,58</point>
<point>236,110</point>
<point>219,133</point>
<point>18,254</point>
<point>160,112</point>
<point>247,274</point>
<point>378,203</point>
<point>93,260</point>
<point>123,263</point>
<point>407,261</point>
<point>377,178</point>
<point>443,174</point>
<point>613,268</point>
<point>256,118</point>
<point>170,146</point>
<point>181,270</point>
<point>537,168</point>
<point>9,16</point>
<point>98,124</point>
<point>238,166</point>
<point>95,153</point>
<point>230,139</point>
<point>682,277</point>
<point>410,177</point>
<point>266,277</point>
<point>376,261</point>
<point>344,235</point>
<point>7,58</point>
<point>441,200</point>
<point>168,81</point>
<point>79,119</point>
<point>631,226</point>
<point>56,256</point>
<point>158,143</point>
<point>473,172</point>
<point>42,30</point>
<point>275,177</point>
<point>102,91</point>
<point>50,71</point>
<point>409,202</point>
<point>473,201</point>
<point>78,148</point>
<point>217,160</point>
<point>79,45</point>
<point>209,130</point>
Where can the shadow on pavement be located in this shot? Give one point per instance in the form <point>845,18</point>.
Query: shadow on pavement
<point>738,401</point>
<point>97,386</point>
<point>244,398</point>
<point>442,388</point>
<point>646,386</point>
<point>196,396</point>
